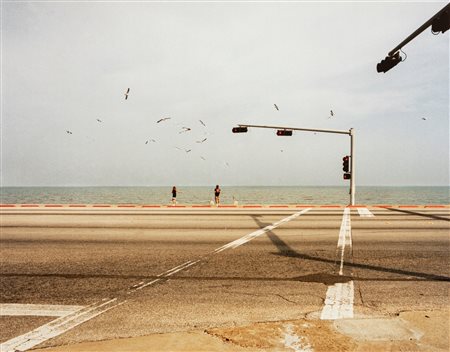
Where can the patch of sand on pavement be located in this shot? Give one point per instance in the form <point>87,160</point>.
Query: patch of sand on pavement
<point>409,331</point>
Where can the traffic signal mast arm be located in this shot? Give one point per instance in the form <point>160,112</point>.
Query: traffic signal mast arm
<point>421,29</point>
<point>298,129</point>
<point>351,132</point>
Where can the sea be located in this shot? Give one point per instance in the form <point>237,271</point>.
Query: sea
<point>320,195</point>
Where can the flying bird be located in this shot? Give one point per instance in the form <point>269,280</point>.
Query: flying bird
<point>184,129</point>
<point>424,118</point>
<point>68,132</point>
<point>202,123</point>
<point>331,113</point>
<point>187,150</point>
<point>163,119</point>
<point>126,93</point>
<point>276,107</point>
<point>202,158</point>
<point>201,140</point>
<point>99,120</point>
<point>150,140</point>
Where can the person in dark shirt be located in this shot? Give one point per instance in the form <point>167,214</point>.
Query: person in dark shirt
<point>217,194</point>
<point>174,195</point>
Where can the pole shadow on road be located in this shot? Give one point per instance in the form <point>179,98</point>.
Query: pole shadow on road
<point>285,250</point>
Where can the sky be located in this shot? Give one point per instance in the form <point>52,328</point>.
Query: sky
<point>65,64</point>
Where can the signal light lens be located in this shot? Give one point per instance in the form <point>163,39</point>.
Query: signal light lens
<point>284,133</point>
<point>347,176</point>
<point>389,62</point>
<point>345,164</point>
<point>239,129</point>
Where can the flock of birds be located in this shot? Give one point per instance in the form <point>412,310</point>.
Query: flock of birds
<point>185,129</point>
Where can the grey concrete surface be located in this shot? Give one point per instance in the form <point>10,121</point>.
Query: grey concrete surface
<point>399,261</point>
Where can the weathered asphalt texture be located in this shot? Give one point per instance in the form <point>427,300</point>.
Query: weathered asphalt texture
<point>399,262</point>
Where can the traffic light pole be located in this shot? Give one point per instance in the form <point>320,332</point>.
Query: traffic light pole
<point>352,166</point>
<point>350,133</point>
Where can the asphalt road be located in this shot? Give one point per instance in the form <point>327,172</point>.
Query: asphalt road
<point>165,271</point>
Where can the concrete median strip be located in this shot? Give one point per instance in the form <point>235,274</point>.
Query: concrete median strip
<point>339,298</point>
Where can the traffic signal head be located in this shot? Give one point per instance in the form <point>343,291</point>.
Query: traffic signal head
<point>345,162</point>
<point>347,176</point>
<point>239,129</point>
<point>389,62</point>
<point>284,133</point>
<point>441,23</point>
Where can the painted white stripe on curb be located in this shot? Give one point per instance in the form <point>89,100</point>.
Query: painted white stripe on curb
<point>57,327</point>
<point>365,213</point>
<point>339,302</point>
<point>37,310</point>
<point>250,236</point>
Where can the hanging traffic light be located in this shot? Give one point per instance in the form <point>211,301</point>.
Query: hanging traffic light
<point>389,62</point>
<point>239,129</point>
<point>442,22</point>
<point>284,133</point>
<point>345,162</point>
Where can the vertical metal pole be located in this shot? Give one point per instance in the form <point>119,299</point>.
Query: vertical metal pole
<point>352,166</point>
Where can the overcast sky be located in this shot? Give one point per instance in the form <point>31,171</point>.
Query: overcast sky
<point>67,64</point>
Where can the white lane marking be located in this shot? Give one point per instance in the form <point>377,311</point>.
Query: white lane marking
<point>339,302</point>
<point>345,237</point>
<point>365,213</point>
<point>58,326</point>
<point>175,268</point>
<point>250,236</point>
<point>47,331</point>
<point>37,310</point>
<point>140,287</point>
<point>295,342</point>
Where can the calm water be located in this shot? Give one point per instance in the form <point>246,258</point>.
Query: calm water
<point>244,195</point>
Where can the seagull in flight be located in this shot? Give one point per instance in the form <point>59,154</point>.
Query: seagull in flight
<point>68,132</point>
<point>184,129</point>
<point>202,158</point>
<point>150,140</point>
<point>126,93</point>
<point>424,118</point>
<point>99,120</point>
<point>163,119</point>
<point>187,150</point>
<point>203,140</point>
<point>276,107</point>
<point>331,114</point>
<point>202,123</point>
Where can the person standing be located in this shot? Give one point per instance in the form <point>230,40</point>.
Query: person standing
<point>174,195</point>
<point>217,194</point>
